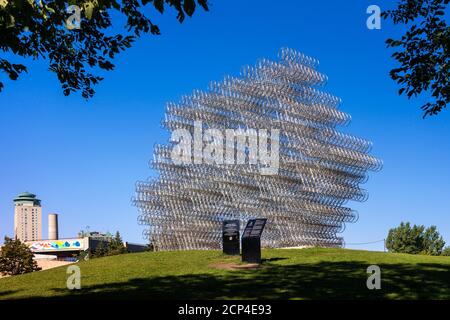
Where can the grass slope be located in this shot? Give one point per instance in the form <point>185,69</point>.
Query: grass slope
<point>287,274</point>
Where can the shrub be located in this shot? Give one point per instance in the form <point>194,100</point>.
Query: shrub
<point>415,240</point>
<point>432,242</point>
<point>116,246</point>
<point>100,250</point>
<point>446,251</point>
<point>16,258</point>
<point>110,248</point>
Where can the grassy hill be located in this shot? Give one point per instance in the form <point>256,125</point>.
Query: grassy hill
<point>286,274</point>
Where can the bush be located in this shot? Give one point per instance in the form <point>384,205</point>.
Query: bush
<point>110,248</point>
<point>415,240</point>
<point>405,239</point>
<point>446,252</point>
<point>116,246</point>
<point>16,258</point>
<point>101,250</point>
<point>432,242</point>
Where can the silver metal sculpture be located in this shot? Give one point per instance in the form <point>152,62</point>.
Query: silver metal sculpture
<point>320,169</point>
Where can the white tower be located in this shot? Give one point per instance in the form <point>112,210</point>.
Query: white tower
<point>52,226</point>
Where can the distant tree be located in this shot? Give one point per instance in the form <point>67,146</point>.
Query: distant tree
<point>423,52</point>
<point>446,251</point>
<point>405,239</point>
<point>414,240</point>
<point>44,29</point>
<point>100,250</point>
<point>116,245</point>
<point>112,247</point>
<point>433,243</point>
<point>16,258</point>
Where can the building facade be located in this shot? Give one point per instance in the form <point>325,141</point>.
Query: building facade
<point>27,217</point>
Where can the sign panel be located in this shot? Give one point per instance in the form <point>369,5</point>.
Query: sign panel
<point>56,245</point>
<point>254,228</point>
<point>230,237</point>
<point>251,240</point>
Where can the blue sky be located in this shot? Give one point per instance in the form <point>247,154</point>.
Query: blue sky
<point>82,158</point>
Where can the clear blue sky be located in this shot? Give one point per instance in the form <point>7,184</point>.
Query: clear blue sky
<point>82,158</point>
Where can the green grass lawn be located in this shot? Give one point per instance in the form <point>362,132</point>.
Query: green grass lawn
<point>287,274</point>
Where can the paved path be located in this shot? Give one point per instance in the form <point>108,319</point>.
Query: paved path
<point>48,264</point>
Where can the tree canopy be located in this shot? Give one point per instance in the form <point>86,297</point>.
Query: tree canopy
<point>415,240</point>
<point>111,247</point>
<point>16,258</point>
<point>38,29</point>
<point>423,52</point>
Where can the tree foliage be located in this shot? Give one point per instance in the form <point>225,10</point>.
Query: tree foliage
<point>432,242</point>
<point>16,258</point>
<point>405,239</point>
<point>116,245</point>
<point>423,52</point>
<point>100,250</point>
<point>415,240</point>
<point>37,29</point>
<point>446,251</point>
<point>112,247</point>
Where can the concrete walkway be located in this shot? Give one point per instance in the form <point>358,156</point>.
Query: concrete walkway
<point>48,264</point>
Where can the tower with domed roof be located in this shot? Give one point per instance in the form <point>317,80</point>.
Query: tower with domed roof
<point>27,217</point>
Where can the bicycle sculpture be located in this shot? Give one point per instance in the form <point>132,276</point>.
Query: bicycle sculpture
<point>319,168</point>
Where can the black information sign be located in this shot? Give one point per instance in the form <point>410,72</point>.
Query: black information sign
<point>251,240</point>
<point>230,237</point>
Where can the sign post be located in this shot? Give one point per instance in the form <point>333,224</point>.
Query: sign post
<point>230,237</point>
<point>251,240</point>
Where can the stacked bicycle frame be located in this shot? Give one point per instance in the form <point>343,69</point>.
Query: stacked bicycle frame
<point>320,168</point>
